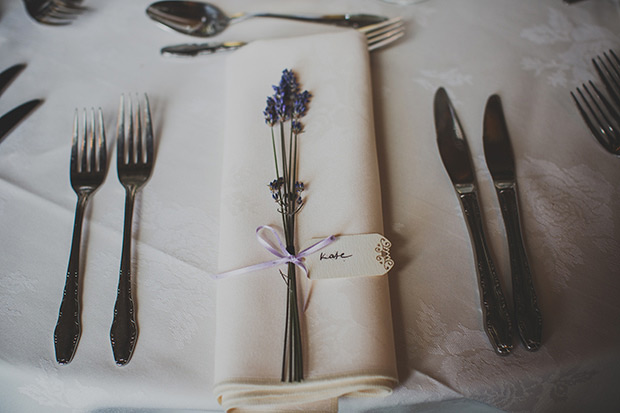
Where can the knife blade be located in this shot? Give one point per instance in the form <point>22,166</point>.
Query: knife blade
<point>500,161</point>
<point>456,159</point>
<point>9,74</point>
<point>194,49</point>
<point>12,118</point>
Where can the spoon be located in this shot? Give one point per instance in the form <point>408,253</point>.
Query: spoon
<point>204,20</point>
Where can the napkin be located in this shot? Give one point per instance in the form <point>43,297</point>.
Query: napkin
<point>348,344</point>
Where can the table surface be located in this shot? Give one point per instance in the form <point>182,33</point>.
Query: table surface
<point>531,53</point>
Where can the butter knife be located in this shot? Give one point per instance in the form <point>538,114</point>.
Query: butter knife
<point>9,74</point>
<point>12,118</point>
<point>194,49</point>
<point>500,160</point>
<point>456,159</point>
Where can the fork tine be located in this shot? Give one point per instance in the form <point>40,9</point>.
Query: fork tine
<point>82,151</point>
<point>148,129</point>
<point>381,34</point>
<point>103,157</point>
<point>130,132</point>
<point>138,132</point>
<point>120,133</point>
<point>74,144</point>
<point>92,158</point>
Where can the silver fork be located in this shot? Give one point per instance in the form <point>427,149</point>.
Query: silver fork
<point>134,164</point>
<point>609,72</point>
<point>384,33</point>
<point>87,171</point>
<point>377,35</point>
<point>54,12</point>
<point>600,116</point>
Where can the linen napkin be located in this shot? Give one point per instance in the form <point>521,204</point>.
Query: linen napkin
<point>348,344</point>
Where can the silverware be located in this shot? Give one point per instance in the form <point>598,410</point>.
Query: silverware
<point>378,35</point>
<point>88,170</point>
<point>14,116</point>
<point>500,161</point>
<point>134,163</point>
<point>609,72</point>
<point>599,114</point>
<point>9,74</point>
<point>54,12</point>
<point>456,159</point>
<point>206,20</point>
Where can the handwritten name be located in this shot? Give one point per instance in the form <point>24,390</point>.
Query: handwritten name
<point>334,256</point>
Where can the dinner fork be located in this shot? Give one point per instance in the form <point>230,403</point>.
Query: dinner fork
<point>600,115</point>
<point>377,36</point>
<point>134,164</point>
<point>609,72</point>
<point>87,173</point>
<point>53,12</point>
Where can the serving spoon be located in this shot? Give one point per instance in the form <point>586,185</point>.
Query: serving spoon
<point>205,20</point>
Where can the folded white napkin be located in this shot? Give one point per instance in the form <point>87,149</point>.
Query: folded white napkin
<point>347,328</point>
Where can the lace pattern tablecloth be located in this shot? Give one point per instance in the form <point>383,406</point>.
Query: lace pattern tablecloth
<point>532,53</point>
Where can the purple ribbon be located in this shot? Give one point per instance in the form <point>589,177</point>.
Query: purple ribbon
<point>284,257</point>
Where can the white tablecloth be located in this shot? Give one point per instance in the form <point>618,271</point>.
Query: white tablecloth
<point>532,53</point>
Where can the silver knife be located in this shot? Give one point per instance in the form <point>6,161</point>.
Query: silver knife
<point>456,159</point>
<point>9,74</point>
<point>500,161</point>
<point>9,120</point>
<point>194,49</point>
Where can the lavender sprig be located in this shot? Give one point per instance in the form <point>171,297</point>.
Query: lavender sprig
<point>284,110</point>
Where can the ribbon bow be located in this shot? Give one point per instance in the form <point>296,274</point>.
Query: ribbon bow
<point>284,257</point>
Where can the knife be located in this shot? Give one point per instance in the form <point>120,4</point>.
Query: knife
<point>194,49</point>
<point>456,159</point>
<point>9,120</point>
<point>500,160</point>
<point>9,74</point>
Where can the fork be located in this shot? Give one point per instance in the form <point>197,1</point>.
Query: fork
<point>134,164</point>
<point>53,12</point>
<point>377,35</point>
<point>600,115</point>
<point>87,172</point>
<point>610,74</point>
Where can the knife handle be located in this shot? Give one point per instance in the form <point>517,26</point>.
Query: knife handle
<point>496,317</point>
<point>529,318</point>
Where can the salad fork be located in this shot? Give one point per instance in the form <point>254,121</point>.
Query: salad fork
<point>134,164</point>
<point>87,171</point>
<point>377,36</point>
<point>53,12</point>
<point>600,116</point>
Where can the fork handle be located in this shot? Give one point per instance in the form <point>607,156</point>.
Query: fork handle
<point>344,20</point>
<point>527,313</point>
<point>68,327</point>
<point>124,330</point>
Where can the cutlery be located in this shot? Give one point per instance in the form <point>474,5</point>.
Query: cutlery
<point>500,161</point>
<point>9,74</point>
<point>378,35</point>
<point>205,20</point>
<point>134,164</point>
<point>87,171</point>
<point>610,74</point>
<point>53,12</point>
<point>456,159</point>
<point>13,117</point>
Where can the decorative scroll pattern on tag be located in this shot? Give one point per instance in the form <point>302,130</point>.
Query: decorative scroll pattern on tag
<point>383,248</point>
